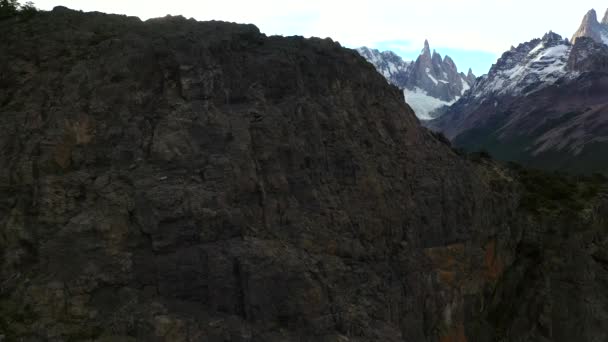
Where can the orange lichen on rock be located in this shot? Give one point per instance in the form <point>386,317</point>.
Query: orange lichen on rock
<point>449,263</point>
<point>493,266</point>
<point>456,334</point>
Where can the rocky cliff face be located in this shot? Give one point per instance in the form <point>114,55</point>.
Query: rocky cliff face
<point>429,84</point>
<point>173,180</point>
<point>547,294</point>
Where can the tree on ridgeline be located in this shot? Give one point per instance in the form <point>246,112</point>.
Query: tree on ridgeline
<point>10,8</point>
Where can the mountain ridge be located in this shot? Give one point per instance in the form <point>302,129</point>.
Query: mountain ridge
<point>430,83</point>
<point>541,104</point>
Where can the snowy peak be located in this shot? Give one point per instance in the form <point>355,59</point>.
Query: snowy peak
<point>551,39</point>
<point>437,76</point>
<point>430,83</point>
<point>530,91</point>
<point>527,68</point>
<point>434,82</point>
<point>389,64</point>
<point>593,29</point>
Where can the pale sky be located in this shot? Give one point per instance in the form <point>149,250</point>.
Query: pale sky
<point>473,32</point>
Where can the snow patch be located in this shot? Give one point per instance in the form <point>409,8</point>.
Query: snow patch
<point>392,67</point>
<point>431,76</point>
<point>542,65</point>
<point>423,104</point>
<point>604,38</point>
<point>465,85</point>
<point>536,49</point>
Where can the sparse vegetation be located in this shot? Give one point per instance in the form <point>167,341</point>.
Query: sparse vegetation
<point>8,8</point>
<point>480,156</point>
<point>553,192</point>
<point>441,137</point>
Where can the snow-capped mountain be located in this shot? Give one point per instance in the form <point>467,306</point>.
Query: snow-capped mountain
<point>527,68</point>
<point>544,103</point>
<point>519,72</point>
<point>593,29</point>
<point>389,64</point>
<point>430,84</point>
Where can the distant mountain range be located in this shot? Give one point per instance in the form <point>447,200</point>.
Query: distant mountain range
<point>544,103</point>
<point>430,84</point>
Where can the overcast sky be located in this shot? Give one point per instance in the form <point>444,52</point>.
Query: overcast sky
<point>473,32</point>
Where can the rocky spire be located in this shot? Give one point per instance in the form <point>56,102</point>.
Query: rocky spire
<point>551,39</point>
<point>430,74</point>
<point>591,16</point>
<point>427,49</point>
<point>605,20</point>
<point>449,63</point>
<point>437,60</point>
<point>471,77</point>
<point>425,60</point>
<point>590,27</point>
<point>436,76</point>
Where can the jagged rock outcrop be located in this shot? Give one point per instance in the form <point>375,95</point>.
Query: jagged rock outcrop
<point>433,83</point>
<point>588,56</point>
<point>430,83</point>
<point>174,180</point>
<point>471,78</point>
<point>437,76</point>
<point>593,29</point>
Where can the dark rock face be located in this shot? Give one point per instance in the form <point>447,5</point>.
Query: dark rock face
<point>182,181</point>
<point>588,56</point>
<point>562,262</point>
<point>172,180</point>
